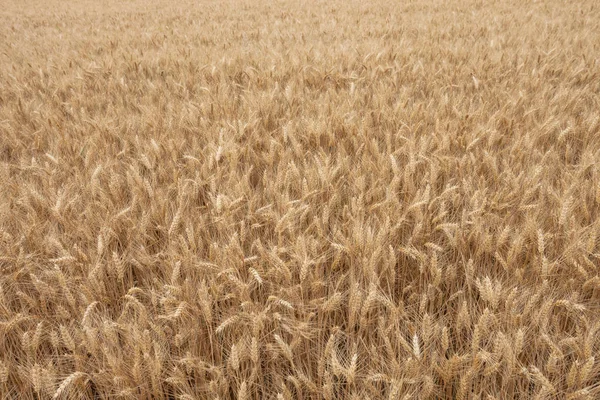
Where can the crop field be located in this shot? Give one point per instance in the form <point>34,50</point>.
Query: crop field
<point>299,199</point>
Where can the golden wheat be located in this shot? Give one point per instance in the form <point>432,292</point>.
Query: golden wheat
<point>338,200</point>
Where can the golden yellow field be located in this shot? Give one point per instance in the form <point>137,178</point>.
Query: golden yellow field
<point>300,199</point>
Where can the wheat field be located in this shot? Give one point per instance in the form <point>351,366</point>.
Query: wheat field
<point>300,200</point>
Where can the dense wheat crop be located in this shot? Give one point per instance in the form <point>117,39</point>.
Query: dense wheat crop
<point>300,200</point>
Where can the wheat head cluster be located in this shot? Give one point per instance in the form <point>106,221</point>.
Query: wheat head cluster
<point>300,200</point>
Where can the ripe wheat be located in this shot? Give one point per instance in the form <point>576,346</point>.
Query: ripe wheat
<point>281,199</point>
